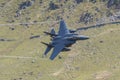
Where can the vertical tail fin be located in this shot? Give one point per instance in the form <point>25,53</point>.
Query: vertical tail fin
<point>52,31</point>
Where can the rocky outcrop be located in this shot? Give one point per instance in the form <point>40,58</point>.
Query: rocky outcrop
<point>93,1</point>
<point>78,1</point>
<point>25,4</point>
<point>86,17</point>
<point>53,6</point>
<point>115,3</point>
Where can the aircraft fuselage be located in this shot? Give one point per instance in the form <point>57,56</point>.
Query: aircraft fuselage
<point>68,39</point>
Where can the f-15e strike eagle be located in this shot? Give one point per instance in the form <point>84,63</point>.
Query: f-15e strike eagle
<point>62,40</point>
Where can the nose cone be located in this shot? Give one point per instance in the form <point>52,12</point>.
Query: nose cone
<point>84,37</point>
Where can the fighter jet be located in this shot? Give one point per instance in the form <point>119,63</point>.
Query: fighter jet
<point>62,40</point>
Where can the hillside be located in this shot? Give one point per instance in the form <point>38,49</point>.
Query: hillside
<point>22,23</point>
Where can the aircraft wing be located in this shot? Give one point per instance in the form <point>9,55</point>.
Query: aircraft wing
<point>63,28</point>
<point>57,49</point>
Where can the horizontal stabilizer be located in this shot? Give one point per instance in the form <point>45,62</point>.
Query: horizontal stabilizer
<point>47,50</point>
<point>45,43</point>
<point>48,33</point>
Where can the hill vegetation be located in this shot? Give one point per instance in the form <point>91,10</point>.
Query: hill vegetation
<point>22,23</point>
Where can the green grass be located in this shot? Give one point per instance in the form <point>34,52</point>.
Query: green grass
<point>88,60</point>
